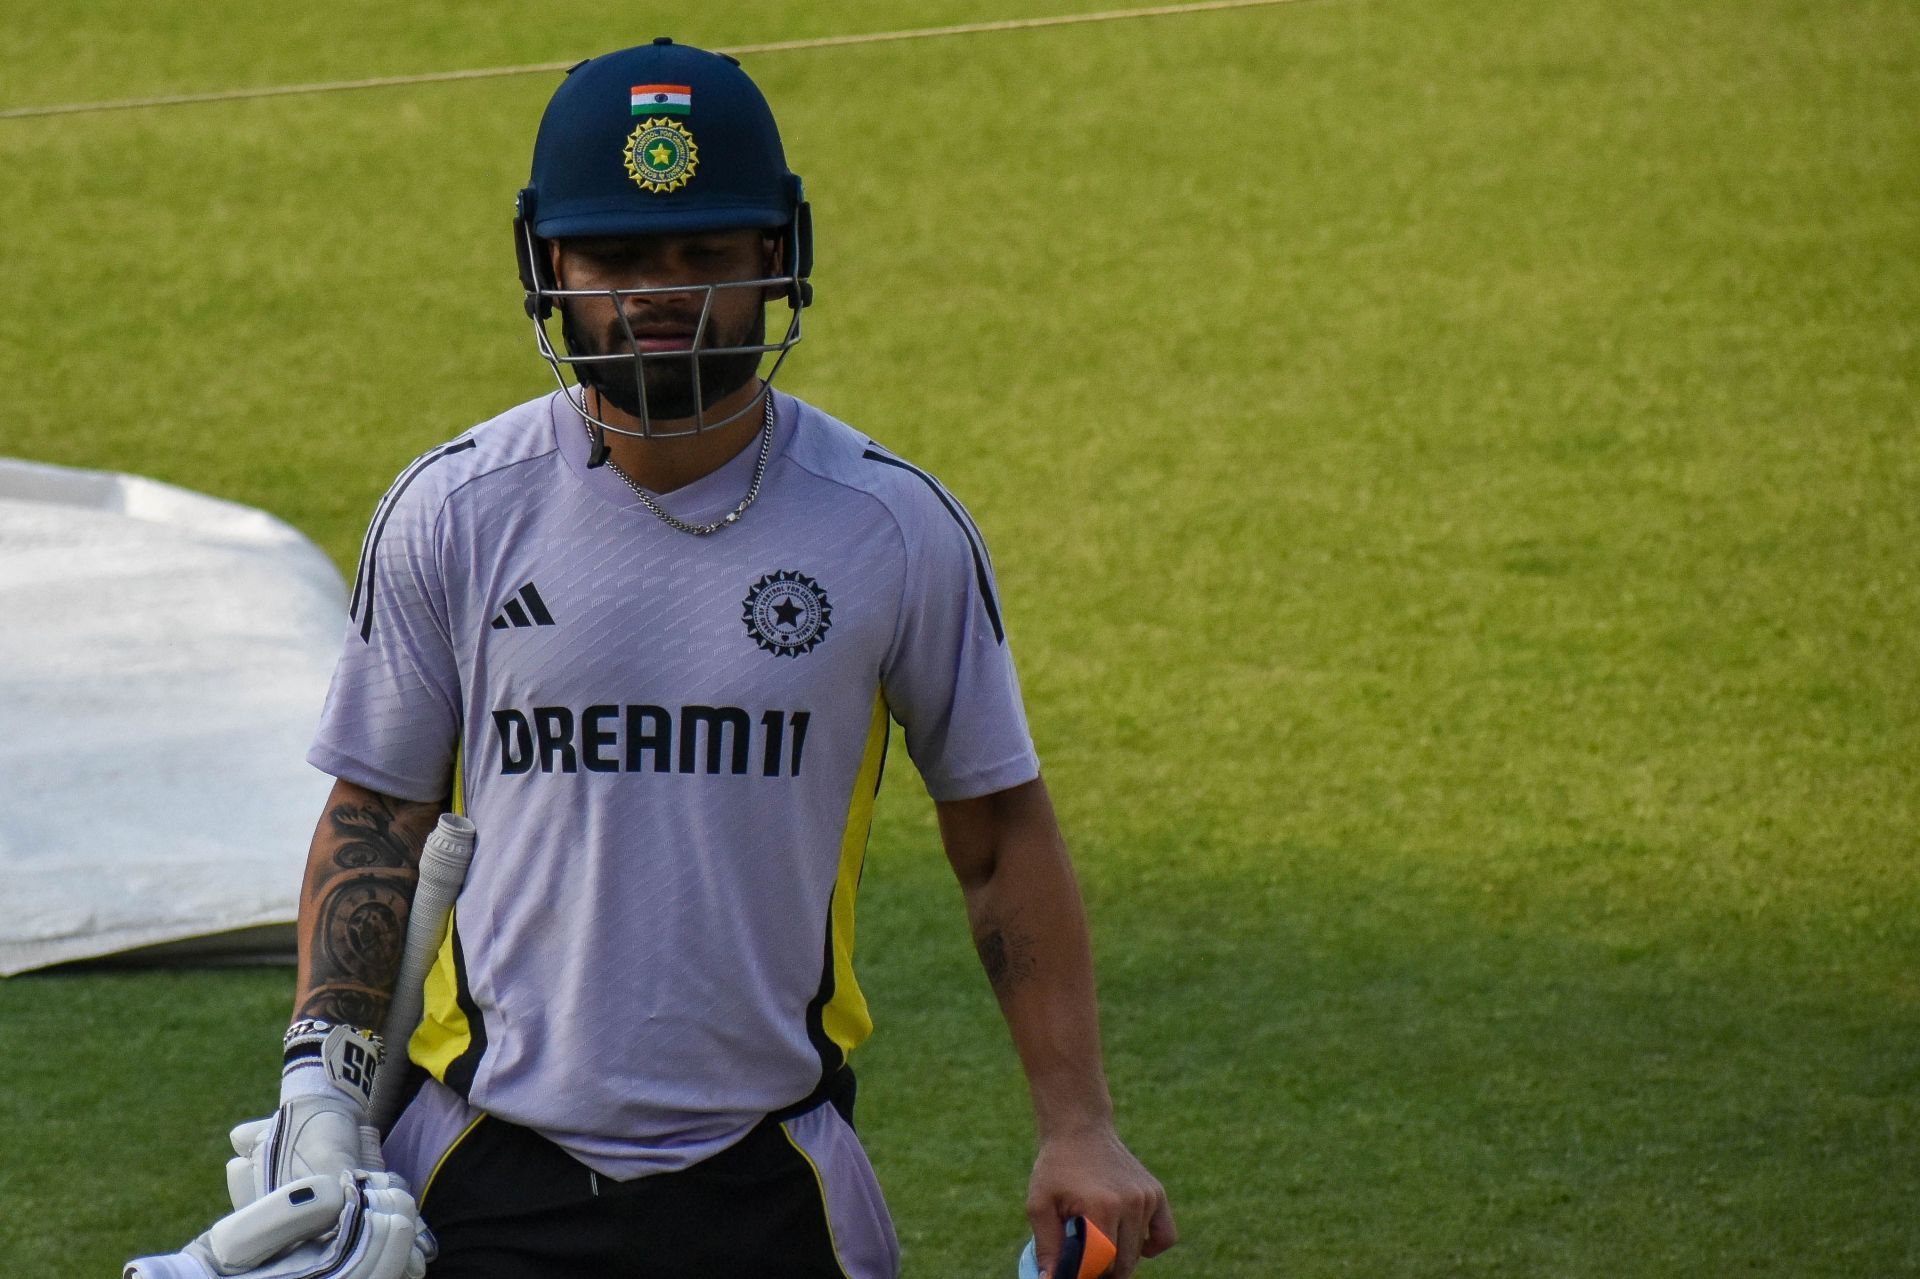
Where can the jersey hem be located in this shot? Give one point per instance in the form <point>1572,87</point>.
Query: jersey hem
<point>357,772</point>
<point>985,781</point>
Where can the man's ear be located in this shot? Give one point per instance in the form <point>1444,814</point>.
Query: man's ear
<point>553,264</point>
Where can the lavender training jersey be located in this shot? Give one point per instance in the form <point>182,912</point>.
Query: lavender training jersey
<point>670,746</point>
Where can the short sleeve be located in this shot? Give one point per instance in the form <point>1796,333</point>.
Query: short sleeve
<point>392,718</point>
<point>949,678</point>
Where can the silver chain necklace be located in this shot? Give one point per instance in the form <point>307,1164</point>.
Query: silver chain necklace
<point>674,522</point>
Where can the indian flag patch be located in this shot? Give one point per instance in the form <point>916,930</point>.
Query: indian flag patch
<point>655,99</point>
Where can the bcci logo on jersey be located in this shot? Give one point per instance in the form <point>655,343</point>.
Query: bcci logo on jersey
<point>787,613</point>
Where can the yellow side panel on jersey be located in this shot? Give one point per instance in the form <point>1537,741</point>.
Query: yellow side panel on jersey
<point>845,1018</point>
<point>444,1032</point>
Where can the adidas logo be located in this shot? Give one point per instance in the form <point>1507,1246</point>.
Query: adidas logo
<point>534,612</point>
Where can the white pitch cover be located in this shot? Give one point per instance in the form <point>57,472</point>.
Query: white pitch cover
<point>163,659</point>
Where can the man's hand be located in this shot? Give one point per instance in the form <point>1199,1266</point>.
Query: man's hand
<point>1090,1173</point>
<point>372,1236</point>
<point>321,1126</point>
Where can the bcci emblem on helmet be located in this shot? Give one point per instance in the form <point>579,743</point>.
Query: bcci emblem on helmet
<point>661,156</point>
<point>787,613</point>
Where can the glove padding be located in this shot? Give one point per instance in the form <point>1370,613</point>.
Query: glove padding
<point>246,1170</point>
<point>372,1237</point>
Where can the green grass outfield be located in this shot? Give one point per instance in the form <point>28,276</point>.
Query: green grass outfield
<point>1453,474</point>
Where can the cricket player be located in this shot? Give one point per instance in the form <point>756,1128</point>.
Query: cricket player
<point>659,621</point>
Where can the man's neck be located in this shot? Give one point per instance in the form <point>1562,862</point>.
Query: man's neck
<point>664,463</point>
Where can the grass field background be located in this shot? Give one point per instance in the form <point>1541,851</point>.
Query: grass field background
<point>1452,470</point>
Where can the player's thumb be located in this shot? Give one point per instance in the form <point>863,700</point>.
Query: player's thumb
<point>245,1137</point>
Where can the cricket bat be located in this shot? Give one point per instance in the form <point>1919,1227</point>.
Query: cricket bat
<point>443,869</point>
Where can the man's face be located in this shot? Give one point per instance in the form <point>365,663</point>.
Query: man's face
<point>664,323</point>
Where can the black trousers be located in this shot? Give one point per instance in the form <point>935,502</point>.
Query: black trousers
<point>509,1204</point>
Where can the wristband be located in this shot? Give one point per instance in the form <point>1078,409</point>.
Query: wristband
<point>324,1055</point>
<point>305,1036</point>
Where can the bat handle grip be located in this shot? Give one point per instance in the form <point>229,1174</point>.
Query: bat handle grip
<point>443,869</point>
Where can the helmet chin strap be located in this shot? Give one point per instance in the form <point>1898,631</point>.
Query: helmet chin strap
<point>597,427</point>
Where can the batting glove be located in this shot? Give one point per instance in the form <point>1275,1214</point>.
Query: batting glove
<point>325,1086</point>
<point>321,1127</point>
<point>339,1227</point>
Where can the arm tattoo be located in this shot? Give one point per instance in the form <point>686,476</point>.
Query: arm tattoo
<point>360,889</point>
<point>1006,955</point>
<point>363,1008</point>
<point>368,838</point>
<point>360,928</point>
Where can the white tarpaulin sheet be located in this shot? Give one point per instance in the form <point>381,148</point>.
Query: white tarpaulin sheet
<point>163,657</point>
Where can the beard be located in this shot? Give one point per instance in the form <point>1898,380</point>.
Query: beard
<point>667,378</point>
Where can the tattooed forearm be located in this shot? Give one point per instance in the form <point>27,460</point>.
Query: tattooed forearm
<point>367,837</point>
<point>361,873</point>
<point>364,1008</point>
<point>1006,955</point>
<point>361,929</point>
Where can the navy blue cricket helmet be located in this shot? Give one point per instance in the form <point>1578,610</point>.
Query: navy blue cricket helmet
<point>659,139</point>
